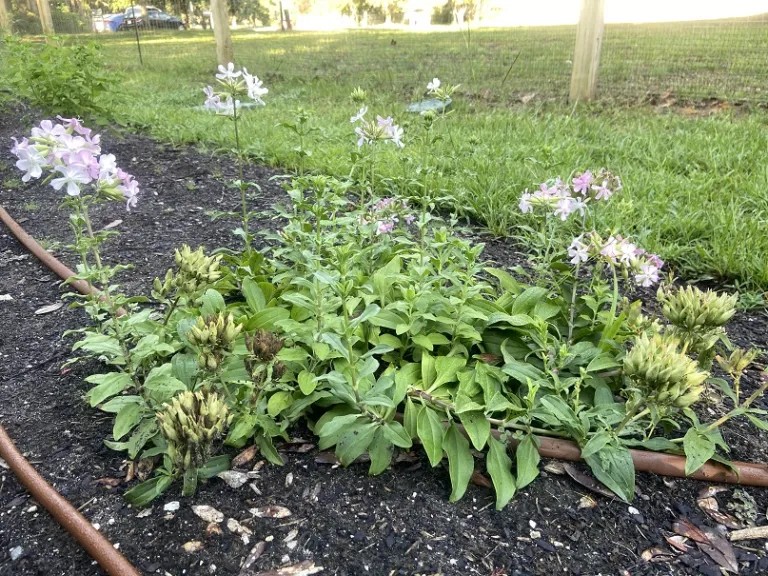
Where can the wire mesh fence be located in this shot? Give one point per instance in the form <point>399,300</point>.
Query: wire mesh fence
<point>497,59</point>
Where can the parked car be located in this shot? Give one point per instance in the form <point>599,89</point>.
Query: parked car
<point>112,21</point>
<point>149,17</point>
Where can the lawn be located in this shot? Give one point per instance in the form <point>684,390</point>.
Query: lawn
<point>695,184</point>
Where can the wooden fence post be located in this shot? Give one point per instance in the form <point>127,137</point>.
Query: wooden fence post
<point>586,57</point>
<point>46,20</point>
<point>220,17</point>
<point>5,19</point>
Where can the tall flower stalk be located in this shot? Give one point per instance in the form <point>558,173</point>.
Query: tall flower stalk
<point>225,101</point>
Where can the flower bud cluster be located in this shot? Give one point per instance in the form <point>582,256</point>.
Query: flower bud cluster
<point>233,83</point>
<point>263,347</point>
<point>693,309</point>
<point>214,336</point>
<point>73,157</point>
<point>191,424</point>
<point>195,272</point>
<point>564,199</point>
<point>618,251</point>
<point>664,375</point>
<point>372,131</point>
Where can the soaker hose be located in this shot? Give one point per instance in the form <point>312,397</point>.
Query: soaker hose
<point>90,539</point>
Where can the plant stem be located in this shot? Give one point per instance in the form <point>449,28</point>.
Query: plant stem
<point>743,406</point>
<point>104,280</point>
<point>243,199</point>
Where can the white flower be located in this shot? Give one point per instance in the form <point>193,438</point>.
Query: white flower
<point>565,206</point>
<point>627,252</point>
<point>396,134</point>
<point>359,116</point>
<point>525,205</point>
<point>73,177</point>
<point>107,167</point>
<point>48,129</point>
<point>228,73</point>
<point>434,85</point>
<point>31,162</point>
<point>255,87</point>
<point>648,275</point>
<point>578,251</point>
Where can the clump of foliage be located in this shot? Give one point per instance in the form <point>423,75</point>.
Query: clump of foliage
<point>379,325</point>
<point>37,73</point>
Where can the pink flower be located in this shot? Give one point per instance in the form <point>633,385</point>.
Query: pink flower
<point>409,218</point>
<point>582,183</point>
<point>610,249</point>
<point>73,176</point>
<point>75,125</point>
<point>130,190</point>
<point>603,192</point>
<point>385,227</point>
<point>48,129</point>
<point>565,206</point>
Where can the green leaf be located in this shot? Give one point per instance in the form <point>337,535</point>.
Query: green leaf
<point>423,341</point>
<point>521,371</point>
<point>335,423</point>
<point>477,426</point>
<point>253,295</point>
<point>267,319</point>
<point>161,386</point>
<point>295,354</point>
<point>370,311</point>
<point>380,451</point>
<point>724,387</point>
<point>526,301</point>
<point>613,466</point>
<point>516,320</point>
<point>428,371</point>
<point>657,444</point>
<point>446,368</point>
<point>278,402</point>
<point>411,417</point>
<point>117,403</point>
<point>499,466</point>
<point>431,432</point>
<point>215,465</point>
<point>603,362</point>
<point>699,447</point>
<point>307,382</point>
<point>267,449</point>
<point>107,385</point>
<point>355,441</point>
<point>334,341</point>
<point>189,482</point>
<point>128,417</point>
<point>761,424</point>
<point>141,435</point>
<point>397,435</point>
<point>101,344</point>
<point>213,302</point>
<point>142,494</point>
<point>595,444</point>
<point>184,367</point>
<point>461,464</point>
<point>527,456</point>
<point>405,377</point>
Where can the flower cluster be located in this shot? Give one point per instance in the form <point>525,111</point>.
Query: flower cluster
<point>73,157</point>
<point>618,251</point>
<point>567,199</point>
<point>234,83</point>
<point>436,89</point>
<point>370,131</point>
<point>386,214</point>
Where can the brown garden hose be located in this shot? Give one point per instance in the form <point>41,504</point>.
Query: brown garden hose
<point>62,511</point>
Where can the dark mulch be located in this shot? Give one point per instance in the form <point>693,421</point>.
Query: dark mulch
<point>398,523</point>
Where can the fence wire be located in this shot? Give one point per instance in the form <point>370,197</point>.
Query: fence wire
<point>696,60</point>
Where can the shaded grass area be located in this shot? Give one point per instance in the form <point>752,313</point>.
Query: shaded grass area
<point>695,187</point>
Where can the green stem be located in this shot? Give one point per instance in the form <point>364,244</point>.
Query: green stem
<point>723,419</point>
<point>243,199</point>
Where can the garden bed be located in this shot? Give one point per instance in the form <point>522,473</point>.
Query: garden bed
<point>341,519</point>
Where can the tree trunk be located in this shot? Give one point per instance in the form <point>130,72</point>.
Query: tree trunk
<point>220,21</point>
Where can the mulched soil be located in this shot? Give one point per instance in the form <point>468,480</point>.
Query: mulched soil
<point>399,523</point>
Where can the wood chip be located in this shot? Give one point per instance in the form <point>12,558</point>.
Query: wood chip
<point>749,533</point>
<point>208,513</point>
<point>555,467</point>
<point>270,512</point>
<point>113,224</point>
<point>254,555</point>
<point>245,456</point>
<point>656,554</point>
<point>301,569</point>
<point>108,482</point>
<point>233,478</point>
<point>192,546</point>
<point>50,308</point>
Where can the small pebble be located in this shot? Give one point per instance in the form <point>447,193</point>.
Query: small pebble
<point>633,510</point>
<point>171,506</point>
<point>16,553</point>
<point>532,524</point>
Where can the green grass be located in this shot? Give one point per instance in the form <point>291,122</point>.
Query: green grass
<point>695,187</point>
